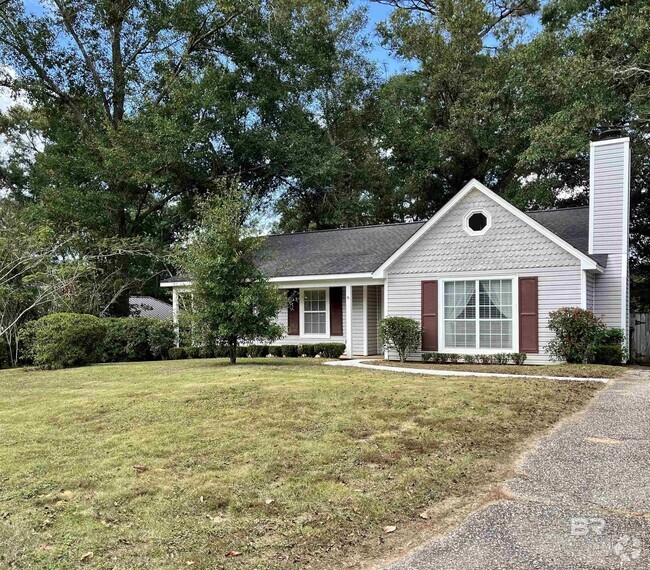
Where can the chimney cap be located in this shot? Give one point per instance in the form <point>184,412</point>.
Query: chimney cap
<point>603,134</point>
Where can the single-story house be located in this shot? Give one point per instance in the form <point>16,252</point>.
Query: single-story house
<point>481,275</point>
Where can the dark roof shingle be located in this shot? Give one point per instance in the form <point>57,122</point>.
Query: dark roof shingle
<point>328,252</point>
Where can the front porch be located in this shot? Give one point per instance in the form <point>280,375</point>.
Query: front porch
<point>319,311</point>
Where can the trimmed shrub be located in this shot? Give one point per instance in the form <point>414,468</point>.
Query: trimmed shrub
<point>612,354</point>
<point>290,350</point>
<point>308,349</point>
<point>60,340</point>
<point>161,336</point>
<point>206,352</point>
<point>5,359</point>
<point>330,349</point>
<point>242,351</point>
<point>177,353</point>
<point>193,351</point>
<point>485,358</point>
<point>401,334</point>
<point>275,351</point>
<point>519,358</point>
<point>577,332</point>
<point>501,358</point>
<point>469,359</point>
<point>258,350</point>
<point>127,339</point>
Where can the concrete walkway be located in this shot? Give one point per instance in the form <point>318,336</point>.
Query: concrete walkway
<point>580,500</point>
<point>364,363</point>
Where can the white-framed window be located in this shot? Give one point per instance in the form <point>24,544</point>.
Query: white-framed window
<point>315,312</point>
<point>477,222</point>
<point>478,314</point>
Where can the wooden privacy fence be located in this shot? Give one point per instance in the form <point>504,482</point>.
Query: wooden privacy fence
<point>640,338</point>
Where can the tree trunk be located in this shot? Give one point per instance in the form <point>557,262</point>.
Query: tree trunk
<point>233,352</point>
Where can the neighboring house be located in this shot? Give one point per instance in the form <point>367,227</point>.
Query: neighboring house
<point>481,276</point>
<point>144,306</point>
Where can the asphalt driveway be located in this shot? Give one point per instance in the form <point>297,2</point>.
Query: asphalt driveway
<point>580,500</point>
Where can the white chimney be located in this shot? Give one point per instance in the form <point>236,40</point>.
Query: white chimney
<point>609,219</point>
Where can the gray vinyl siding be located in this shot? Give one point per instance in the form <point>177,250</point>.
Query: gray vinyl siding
<point>357,320</point>
<point>557,287</point>
<point>609,232</point>
<point>282,318</point>
<point>608,187</point>
<point>510,243</point>
<point>591,291</point>
<point>373,316</point>
<point>510,248</point>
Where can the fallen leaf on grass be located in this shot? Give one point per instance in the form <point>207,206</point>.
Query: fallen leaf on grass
<point>232,554</point>
<point>389,529</point>
<point>268,501</point>
<point>424,516</point>
<point>87,556</point>
<point>140,468</point>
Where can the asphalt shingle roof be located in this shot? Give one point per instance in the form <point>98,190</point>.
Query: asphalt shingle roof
<point>327,252</point>
<point>363,249</point>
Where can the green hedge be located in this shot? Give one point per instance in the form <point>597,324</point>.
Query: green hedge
<point>450,358</point>
<point>324,350</point>
<point>60,340</point>
<point>135,339</point>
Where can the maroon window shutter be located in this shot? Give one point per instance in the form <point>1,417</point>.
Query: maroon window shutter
<point>293,311</point>
<point>528,316</point>
<point>430,315</point>
<point>336,311</point>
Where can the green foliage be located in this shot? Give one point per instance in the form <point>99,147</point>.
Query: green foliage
<point>469,359</point>
<point>5,360</point>
<point>401,334</point>
<point>194,352</point>
<point>127,339</point>
<point>233,301</point>
<point>308,349</point>
<point>501,358</point>
<point>61,340</point>
<point>161,337</point>
<point>577,332</point>
<point>612,354</point>
<point>276,351</point>
<point>290,350</point>
<point>177,353</point>
<point>519,358</point>
<point>257,351</point>
<point>485,359</point>
<point>329,349</point>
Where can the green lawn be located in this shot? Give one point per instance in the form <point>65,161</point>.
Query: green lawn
<point>287,462</point>
<point>565,370</point>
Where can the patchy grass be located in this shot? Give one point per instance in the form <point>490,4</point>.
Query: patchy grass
<point>565,370</point>
<point>286,462</point>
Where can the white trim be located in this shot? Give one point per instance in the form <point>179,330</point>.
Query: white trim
<point>385,311</point>
<point>468,230</point>
<point>592,190</point>
<point>583,289</point>
<point>610,141</point>
<point>327,313</point>
<point>331,277</point>
<point>625,308</point>
<point>348,320</point>
<point>177,330</point>
<point>365,320</point>
<point>476,185</point>
<point>477,350</point>
<point>177,284</point>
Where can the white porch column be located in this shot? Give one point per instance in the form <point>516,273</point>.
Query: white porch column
<point>177,331</point>
<point>365,321</point>
<point>348,321</point>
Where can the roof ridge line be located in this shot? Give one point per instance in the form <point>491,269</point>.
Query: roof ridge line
<point>391,224</point>
<point>555,209</point>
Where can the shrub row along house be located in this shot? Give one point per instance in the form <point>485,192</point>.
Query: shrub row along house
<point>481,275</point>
